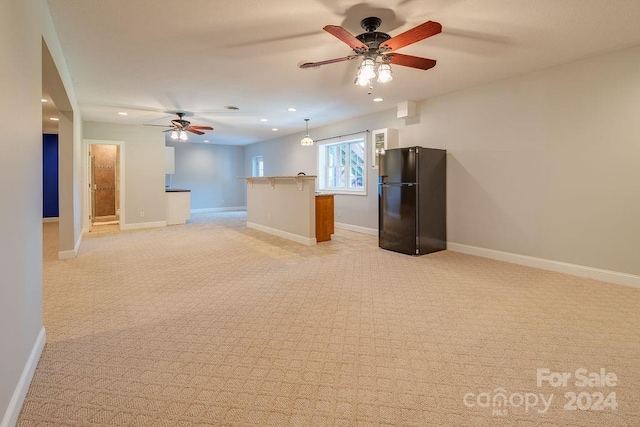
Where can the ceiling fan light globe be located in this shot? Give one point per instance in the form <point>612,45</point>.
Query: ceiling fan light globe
<point>367,69</point>
<point>174,134</point>
<point>360,81</point>
<point>306,141</point>
<point>183,135</point>
<point>384,73</point>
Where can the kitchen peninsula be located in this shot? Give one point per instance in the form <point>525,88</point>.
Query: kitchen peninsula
<point>284,206</point>
<point>178,205</point>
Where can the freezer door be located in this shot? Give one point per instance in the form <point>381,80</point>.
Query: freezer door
<point>399,165</point>
<point>397,220</point>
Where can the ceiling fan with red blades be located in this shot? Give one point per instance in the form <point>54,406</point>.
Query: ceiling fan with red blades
<point>179,127</point>
<point>379,49</point>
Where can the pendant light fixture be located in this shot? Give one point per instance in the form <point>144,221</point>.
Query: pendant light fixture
<point>306,141</point>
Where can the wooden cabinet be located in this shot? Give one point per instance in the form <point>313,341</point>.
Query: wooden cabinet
<point>324,217</point>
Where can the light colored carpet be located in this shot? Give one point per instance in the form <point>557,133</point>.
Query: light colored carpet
<point>212,323</point>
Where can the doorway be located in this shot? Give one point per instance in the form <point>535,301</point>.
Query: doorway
<point>104,179</point>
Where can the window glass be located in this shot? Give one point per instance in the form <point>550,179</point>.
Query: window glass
<point>342,167</point>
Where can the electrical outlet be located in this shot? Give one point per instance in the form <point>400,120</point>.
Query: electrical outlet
<point>339,213</point>
<point>141,214</point>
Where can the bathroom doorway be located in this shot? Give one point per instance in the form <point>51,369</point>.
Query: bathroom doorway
<point>104,178</point>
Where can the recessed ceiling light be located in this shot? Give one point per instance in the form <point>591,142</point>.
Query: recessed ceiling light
<point>377,99</point>
<point>43,100</point>
<point>274,129</point>
<point>291,109</point>
<point>122,113</point>
<point>55,119</point>
<point>206,140</point>
<point>263,120</point>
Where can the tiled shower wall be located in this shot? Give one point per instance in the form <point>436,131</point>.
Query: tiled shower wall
<point>105,171</point>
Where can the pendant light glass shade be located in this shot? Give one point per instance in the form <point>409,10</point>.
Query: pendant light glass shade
<point>306,141</point>
<point>384,73</point>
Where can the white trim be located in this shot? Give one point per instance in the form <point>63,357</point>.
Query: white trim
<point>357,228</point>
<point>547,264</point>
<point>50,219</point>
<point>308,241</point>
<point>10,417</point>
<point>225,209</point>
<point>72,253</point>
<point>139,225</point>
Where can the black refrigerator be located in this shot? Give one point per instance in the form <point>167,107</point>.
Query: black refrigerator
<point>412,200</point>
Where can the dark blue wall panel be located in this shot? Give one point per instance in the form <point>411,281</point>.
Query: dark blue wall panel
<point>49,175</point>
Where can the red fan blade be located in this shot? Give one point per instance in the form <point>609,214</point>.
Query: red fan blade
<point>411,61</point>
<point>421,32</point>
<point>346,37</point>
<point>192,130</point>
<point>328,61</point>
<point>202,127</point>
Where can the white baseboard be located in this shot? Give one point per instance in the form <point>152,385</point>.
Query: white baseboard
<point>225,209</point>
<point>546,264</point>
<point>71,254</point>
<point>139,225</point>
<point>10,417</point>
<point>357,228</point>
<point>50,219</point>
<point>308,241</point>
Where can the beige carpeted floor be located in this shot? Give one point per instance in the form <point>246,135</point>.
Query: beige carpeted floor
<point>212,323</point>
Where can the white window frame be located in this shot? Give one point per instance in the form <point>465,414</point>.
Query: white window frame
<point>257,166</point>
<point>323,167</point>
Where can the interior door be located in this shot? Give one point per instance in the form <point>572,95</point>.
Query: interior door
<point>398,217</point>
<point>92,185</point>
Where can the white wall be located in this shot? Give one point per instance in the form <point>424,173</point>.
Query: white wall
<point>143,168</point>
<point>210,171</point>
<point>546,164</point>
<point>56,80</point>
<point>543,165</point>
<point>23,24</point>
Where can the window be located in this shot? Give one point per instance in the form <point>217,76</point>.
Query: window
<point>342,167</point>
<point>258,166</point>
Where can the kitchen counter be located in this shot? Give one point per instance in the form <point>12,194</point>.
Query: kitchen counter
<point>283,206</point>
<point>178,205</point>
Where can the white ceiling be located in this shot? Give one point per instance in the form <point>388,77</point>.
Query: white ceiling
<point>147,57</point>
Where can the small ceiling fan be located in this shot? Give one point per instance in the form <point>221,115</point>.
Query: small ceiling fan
<point>179,127</point>
<point>378,49</point>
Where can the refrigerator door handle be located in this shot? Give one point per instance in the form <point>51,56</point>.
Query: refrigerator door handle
<point>397,184</point>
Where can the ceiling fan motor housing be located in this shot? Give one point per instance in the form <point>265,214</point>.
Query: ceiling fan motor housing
<point>180,123</point>
<point>370,24</point>
<point>372,38</point>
